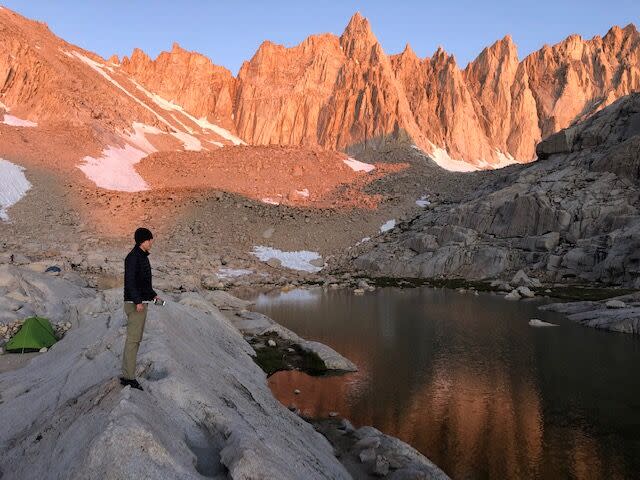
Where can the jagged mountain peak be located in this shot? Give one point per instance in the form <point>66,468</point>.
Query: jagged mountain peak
<point>342,92</point>
<point>358,36</point>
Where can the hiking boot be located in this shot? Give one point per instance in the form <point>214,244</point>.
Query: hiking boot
<point>132,383</point>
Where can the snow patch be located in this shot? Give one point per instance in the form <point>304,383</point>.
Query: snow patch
<point>224,273</point>
<point>423,202</point>
<point>226,134</point>
<point>98,68</point>
<point>442,158</point>
<point>139,140</point>
<point>504,160</point>
<point>13,186</point>
<point>270,200</point>
<point>299,260</point>
<point>17,122</point>
<point>189,141</point>
<point>201,122</point>
<point>388,225</point>
<point>365,239</point>
<point>358,166</point>
<point>114,170</point>
<point>534,322</point>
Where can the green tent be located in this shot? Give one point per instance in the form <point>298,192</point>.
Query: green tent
<point>35,333</point>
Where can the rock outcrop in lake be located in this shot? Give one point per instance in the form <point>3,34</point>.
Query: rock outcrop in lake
<point>572,216</point>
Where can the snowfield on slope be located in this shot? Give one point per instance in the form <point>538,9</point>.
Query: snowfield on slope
<point>299,260</point>
<point>388,225</point>
<point>444,160</point>
<point>115,168</point>
<point>17,122</point>
<point>13,186</point>
<point>358,166</point>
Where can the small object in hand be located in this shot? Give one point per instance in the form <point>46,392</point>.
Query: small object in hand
<point>157,301</point>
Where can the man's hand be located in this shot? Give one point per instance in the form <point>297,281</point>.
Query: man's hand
<point>139,307</point>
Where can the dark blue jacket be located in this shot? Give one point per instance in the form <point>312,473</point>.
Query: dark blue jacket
<point>137,277</point>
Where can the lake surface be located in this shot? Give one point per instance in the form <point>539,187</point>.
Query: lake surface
<point>466,381</point>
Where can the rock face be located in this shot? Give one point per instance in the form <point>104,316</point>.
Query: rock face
<point>573,216</point>
<point>618,315</point>
<point>341,93</point>
<point>206,409</point>
<point>189,79</point>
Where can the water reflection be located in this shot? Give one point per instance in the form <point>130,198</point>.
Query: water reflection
<point>470,384</point>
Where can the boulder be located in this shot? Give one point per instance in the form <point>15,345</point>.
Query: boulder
<point>96,261</point>
<point>422,243</point>
<point>546,242</point>
<point>522,279</point>
<point>513,295</point>
<point>381,466</point>
<point>367,455</point>
<point>367,442</point>
<point>274,263</point>
<point>561,142</point>
<point>526,292</point>
<point>210,281</point>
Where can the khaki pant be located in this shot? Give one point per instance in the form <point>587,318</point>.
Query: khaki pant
<point>135,328</point>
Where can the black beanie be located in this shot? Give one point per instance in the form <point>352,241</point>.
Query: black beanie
<point>142,235</point>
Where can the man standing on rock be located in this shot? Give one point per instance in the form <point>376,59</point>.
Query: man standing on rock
<point>137,291</point>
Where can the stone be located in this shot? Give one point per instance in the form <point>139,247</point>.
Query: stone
<point>423,243</point>
<point>367,442</point>
<point>367,431</point>
<point>40,267</point>
<point>358,291</point>
<point>546,242</point>
<point>520,279</point>
<point>210,281</point>
<point>381,466</point>
<point>367,455</point>
<point>346,426</point>
<point>226,301</point>
<point>501,286</point>
<point>274,263</point>
<point>268,233</point>
<point>271,343</point>
<point>513,295</point>
<point>526,292</point>
<point>96,261</point>
<point>43,349</point>
<point>317,262</point>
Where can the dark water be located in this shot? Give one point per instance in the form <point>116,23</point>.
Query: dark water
<point>467,382</point>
